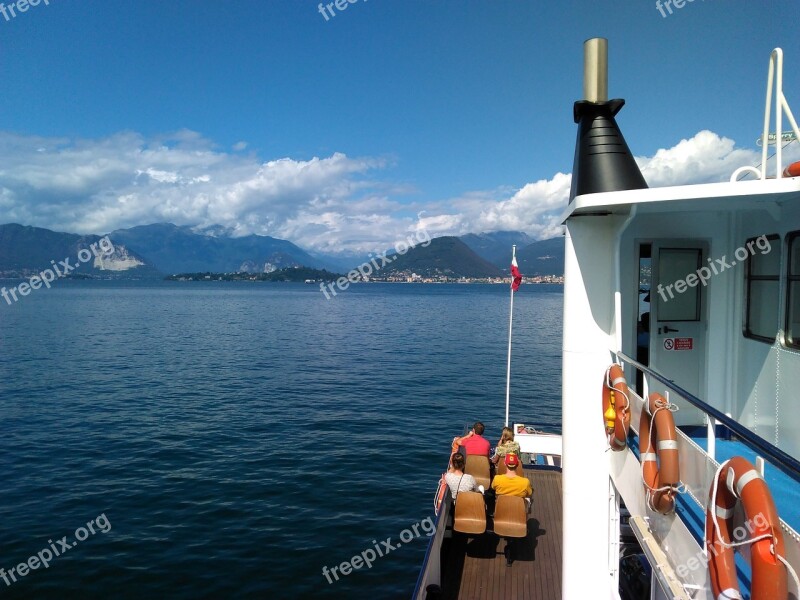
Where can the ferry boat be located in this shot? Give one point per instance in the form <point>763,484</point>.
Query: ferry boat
<point>676,474</point>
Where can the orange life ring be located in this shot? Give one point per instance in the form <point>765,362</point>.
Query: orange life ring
<point>616,408</point>
<point>738,478</point>
<point>440,493</point>
<point>660,467</point>
<point>793,170</point>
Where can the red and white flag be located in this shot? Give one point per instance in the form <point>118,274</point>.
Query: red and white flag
<point>515,275</point>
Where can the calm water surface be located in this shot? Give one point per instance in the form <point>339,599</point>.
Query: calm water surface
<point>240,437</point>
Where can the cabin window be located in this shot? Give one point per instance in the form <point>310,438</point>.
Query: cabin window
<point>793,298</point>
<point>762,286</point>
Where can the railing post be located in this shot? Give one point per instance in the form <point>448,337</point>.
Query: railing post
<point>711,424</point>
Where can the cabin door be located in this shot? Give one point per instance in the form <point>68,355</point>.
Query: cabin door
<point>678,321</point>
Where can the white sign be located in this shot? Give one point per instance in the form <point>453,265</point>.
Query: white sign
<point>786,136</point>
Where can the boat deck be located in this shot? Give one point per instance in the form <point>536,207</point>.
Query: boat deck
<point>476,568</point>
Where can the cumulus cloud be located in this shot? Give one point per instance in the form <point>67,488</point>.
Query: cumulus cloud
<point>705,158</point>
<point>536,208</point>
<point>328,204</point>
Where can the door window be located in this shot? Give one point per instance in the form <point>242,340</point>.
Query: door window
<point>679,292</point>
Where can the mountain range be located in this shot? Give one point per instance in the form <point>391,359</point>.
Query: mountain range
<point>164,248</point>
<point>26,251</point>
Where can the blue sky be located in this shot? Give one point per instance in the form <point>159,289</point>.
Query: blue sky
<point>346,133</point>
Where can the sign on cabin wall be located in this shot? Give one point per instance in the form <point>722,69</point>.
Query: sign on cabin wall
<point>678,343</point>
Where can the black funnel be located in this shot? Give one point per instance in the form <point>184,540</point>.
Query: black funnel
<point>603,161</point>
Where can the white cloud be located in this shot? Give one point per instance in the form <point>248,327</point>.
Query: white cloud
<point>329,204</point>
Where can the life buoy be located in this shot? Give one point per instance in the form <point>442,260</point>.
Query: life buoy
<point>738,478</point>
<point>616,408</point>
<point>660,467</point>
<point>440,493</point>
<point>793,170</point>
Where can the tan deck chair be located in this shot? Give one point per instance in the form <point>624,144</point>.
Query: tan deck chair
<point>511,516</point>
<point>470,513</point>
<point>478,467</point>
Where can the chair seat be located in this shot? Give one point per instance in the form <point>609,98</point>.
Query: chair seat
<point>511,517</point>
<point>470,516</point>
<point>478,467</point>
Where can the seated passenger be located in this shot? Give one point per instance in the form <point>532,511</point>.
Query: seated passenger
<point>456,479</point>
<point>506,445</point>
<point>511,483</point>
<point>474,442</point>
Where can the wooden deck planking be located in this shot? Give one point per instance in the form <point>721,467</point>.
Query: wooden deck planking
<point>475,568</point>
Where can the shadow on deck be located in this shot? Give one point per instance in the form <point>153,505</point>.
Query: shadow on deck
<point>475,567</point>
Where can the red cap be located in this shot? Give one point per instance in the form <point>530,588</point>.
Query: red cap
<point>512,460</point>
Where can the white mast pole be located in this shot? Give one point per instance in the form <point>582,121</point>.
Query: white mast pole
<point>510,323</point>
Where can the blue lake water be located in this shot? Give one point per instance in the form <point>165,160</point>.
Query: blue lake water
<point>240,437</point>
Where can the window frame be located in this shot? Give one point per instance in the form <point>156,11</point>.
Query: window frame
<point>791,238</point>
<point>748,278</point>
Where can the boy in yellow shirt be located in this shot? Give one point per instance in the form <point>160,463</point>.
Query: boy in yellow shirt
<point>512,484</point>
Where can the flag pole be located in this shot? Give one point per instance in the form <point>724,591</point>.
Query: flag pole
<point>510,323</point>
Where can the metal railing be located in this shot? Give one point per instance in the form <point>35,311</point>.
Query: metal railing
<point>775,455</point>
<point>774,80</point>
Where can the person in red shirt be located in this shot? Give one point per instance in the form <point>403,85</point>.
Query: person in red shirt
<point>474,442</point>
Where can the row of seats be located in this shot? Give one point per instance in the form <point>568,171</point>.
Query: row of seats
<point>510,514</point>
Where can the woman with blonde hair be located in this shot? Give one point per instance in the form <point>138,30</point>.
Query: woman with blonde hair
<point>506,445</point>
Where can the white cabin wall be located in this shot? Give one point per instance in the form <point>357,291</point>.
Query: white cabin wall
<point>588,336</point>
<point>768,374</point>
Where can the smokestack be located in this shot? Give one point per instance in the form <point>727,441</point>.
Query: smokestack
<point>603,161</point>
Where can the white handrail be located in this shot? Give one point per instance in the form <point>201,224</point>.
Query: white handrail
<point>776,66</point>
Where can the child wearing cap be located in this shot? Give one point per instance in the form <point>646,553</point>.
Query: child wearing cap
<point>510,483</point>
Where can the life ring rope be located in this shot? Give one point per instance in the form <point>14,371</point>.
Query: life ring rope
<point>653,456</point>
<point>727,513</point>
<point>612,385</point>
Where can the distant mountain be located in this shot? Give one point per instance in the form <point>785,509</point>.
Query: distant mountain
<point>495,246</point>
<point>26,251</point>
<point>545,257</point>
<point>444,256</point>
<point>176,249</point>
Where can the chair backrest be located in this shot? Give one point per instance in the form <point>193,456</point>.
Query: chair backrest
<point>478,467</point>
<point>470,516</point>
<point>511,516</point>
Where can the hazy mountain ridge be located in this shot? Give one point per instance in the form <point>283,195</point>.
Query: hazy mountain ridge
<point>495,246</point>
<point>445,256</point>
<point>542,257</point>
<point>175,249</point>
